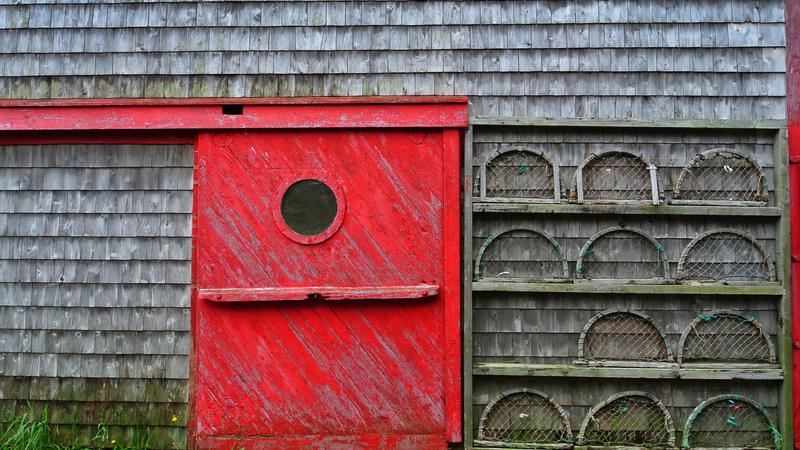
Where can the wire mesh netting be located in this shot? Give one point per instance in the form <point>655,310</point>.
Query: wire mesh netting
<point>731,422</point>
<point>726,337</point>
<point>525,418</point>
<point>616,176</point>
<point>721,175</point>
<point>521,253</point>
<point>520,174</point>
<point>724,255</point>
<point>621,254</point>
<point>623,336</point>
<point>629,420</point>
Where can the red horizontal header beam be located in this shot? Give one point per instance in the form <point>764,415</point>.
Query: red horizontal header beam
<point>205,114</point>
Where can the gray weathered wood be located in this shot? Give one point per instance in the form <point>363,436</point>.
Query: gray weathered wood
<point>537,59</point>
<point>663,209</point>
<point>467,183</point>
<point>629,123</point>
<point>668,79</point>
<point>642,289</point>
<point>782,230</point>
<point>656,373</point>
<point>95,249</point>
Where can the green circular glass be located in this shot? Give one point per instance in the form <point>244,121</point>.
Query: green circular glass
<point>309,207</point>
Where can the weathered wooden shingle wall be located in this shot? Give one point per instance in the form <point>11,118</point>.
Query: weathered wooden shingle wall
<point>95,249</point>
<point>115,329</point>
<point>577,58</point>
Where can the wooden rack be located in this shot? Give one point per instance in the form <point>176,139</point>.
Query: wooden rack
<point>776,213</point>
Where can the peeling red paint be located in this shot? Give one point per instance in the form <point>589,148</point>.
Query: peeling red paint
<point>793,116</point>
<point>205,114</point>
<point>377,368</point>
<point>366,370</point>
<point>323,442</point>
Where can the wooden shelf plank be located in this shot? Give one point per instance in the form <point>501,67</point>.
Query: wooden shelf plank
<point>598,447</point>
<point>302,293</point>
<point>718,124</point>
<point>654,373</point>
<point>493,445</point>
<point>602,287</point>
<point>628,447</point>
<point>642,210</point>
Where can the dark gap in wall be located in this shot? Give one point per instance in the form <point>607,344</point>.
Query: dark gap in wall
<point>232,110</point>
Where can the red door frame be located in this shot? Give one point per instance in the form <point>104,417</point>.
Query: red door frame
<point>173,121</point>
<point>793,119</point>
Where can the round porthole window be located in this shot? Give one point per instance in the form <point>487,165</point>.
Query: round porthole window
<point>310,210</point>
<point>308,207</point>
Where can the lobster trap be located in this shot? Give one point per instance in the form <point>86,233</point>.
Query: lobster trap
<point>519,175</point>
<point>522,253</point>
<point>615,177</point>
<point>622,253</point>
<point>620,336</point>
<point>524,418</point>
<point>721,177</point>
<point>730,421</point>
<point>725,254</point>
<point>725,337</point>
<point>632,418</point>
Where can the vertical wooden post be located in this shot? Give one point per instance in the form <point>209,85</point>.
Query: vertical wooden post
<point>467,277</point>
<point>579,184</point>
<point>655,193</point>
<point>784,271</point>
<point>481,174</point>
<point>557,184</point>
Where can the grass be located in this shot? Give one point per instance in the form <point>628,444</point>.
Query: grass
<point>26,432</point>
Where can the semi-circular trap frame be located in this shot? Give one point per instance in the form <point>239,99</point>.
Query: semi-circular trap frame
<point>739,180</point>
<point>697,260</point>
<point>729,415</point>
<point>641,186</point>
<point>733,338</point>
<point>634,419</point>
<point>541,235</point>
<point>558,435</point>
<point>645,341</point>
<point>531,177</point>
<point>660,260</point>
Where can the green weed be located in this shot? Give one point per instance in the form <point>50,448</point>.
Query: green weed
<point>26,432</point>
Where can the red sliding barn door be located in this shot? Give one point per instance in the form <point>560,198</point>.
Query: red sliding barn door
<point>327,289</point>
